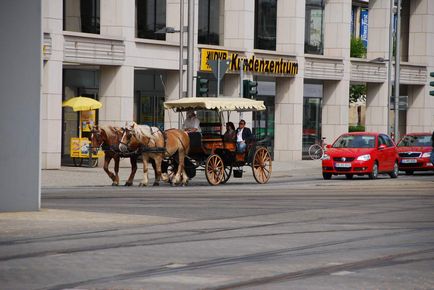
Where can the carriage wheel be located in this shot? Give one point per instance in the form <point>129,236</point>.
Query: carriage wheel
<point>214,170</point>
<point>77,161</point>
<point>261,165</point>
<point>227,173</point>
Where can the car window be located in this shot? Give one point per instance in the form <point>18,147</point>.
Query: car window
<point>387,141</point>
<point>381,141</point>
<point>355,141</point>
<point>412,140</point>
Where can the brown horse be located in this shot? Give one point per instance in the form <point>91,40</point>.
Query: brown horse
<point>151,139</point>
<point>109,137</point>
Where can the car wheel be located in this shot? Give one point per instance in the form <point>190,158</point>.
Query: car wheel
<point>374,172</point>
<point>349,176</point>
<point>395,172</point>
<point>327,176</point>
<point>409,172</point>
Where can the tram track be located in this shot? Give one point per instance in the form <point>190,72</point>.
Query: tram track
<point>238,260</point>
<point>189,234</point>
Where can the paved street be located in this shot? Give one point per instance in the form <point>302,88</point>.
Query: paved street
<point>297,232</point>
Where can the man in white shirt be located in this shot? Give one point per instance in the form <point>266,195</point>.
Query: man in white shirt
<point>192,123</point>
<point>244,135</point>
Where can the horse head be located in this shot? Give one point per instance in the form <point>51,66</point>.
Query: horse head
<point>96,139</point>
<point>128,136</point>
<point>134,136</point>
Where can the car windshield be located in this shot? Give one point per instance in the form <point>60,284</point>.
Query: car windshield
<point>352,141</point>
<point>413,140</point>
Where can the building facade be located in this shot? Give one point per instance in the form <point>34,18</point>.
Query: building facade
<point>298,51</point>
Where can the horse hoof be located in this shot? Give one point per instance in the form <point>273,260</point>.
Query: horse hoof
<point>114,184</point>
<point>142,185</point>
<point>156,184</point>
<point>128,184</point>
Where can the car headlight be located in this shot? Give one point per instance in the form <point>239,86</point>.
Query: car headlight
<point>426,154</point>
<point>365,157</point>
<point>326,157</point>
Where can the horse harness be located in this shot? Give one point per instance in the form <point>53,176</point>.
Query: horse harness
<point>145,148</point>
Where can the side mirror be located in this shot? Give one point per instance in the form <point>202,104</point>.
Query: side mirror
<point>328,146</point>
<point>382,147</point>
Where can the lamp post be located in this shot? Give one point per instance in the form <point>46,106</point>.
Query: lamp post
<point>397,68</point>
<point>389,70</point>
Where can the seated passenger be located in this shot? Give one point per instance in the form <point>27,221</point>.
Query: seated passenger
<point>244,135</point>
<point>192,123</point>
<point>230,134</point>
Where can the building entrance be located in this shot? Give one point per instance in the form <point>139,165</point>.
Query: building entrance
<point>312,112</point>
<point>263,121</point>
<point>77,82</point>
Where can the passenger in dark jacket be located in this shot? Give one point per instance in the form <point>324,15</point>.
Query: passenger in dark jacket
<point>244,135</point>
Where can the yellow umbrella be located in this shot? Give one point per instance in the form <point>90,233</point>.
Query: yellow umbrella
<point>82,104</point>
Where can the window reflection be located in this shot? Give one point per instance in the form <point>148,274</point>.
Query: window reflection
<point>265,24</point>
<point>81,16</point>
<point>208,27</point>
<point>150,17</point>
<point>314,27</point>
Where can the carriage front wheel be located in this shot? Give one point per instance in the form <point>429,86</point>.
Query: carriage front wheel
<point>261,165</point>
<point>214,170</point>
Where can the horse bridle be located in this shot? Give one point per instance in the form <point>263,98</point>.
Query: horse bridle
<point>128,136</point>
<point>97,134</point>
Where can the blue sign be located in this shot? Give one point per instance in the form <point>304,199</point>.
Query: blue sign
<point>364,26</point>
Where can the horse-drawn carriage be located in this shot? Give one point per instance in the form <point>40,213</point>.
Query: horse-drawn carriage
<point>209,150</point>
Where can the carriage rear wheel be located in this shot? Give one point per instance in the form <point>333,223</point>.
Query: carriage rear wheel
<point>227,173</point>
<point>261,165</point>
<point>214,170</point>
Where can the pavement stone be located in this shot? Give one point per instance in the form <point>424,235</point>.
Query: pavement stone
<point>69,176</point>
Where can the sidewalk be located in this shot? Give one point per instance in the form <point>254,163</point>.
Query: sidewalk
<point>69,176</point>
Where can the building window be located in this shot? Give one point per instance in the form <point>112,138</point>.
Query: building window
<point>314,36</point>
<point>81,16</point>
<point>150,17</point>
<point>265,24</point>
<point>208,30</point>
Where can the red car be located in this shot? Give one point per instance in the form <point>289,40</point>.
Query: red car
<point>414,151</point>
<point>361,153</point>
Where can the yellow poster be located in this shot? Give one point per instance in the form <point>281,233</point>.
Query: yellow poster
<point>87,120</point>
<point>211,54</point>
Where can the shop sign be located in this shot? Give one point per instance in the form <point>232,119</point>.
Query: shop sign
<point>252,64</point>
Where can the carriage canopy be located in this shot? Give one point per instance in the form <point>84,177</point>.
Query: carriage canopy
<point>220,104</point>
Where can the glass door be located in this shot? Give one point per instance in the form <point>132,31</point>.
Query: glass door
<point>311,123</point>
<point>150,111</point>
<point>263,122</point>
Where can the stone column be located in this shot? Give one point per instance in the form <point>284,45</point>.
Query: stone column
<point>116,92</point>
<point>288,119</point>
<point>335,109</point>
<point>376,107</point>
<point>239,17</point>
<point>337,20</point>
<point>290,26</point>
<point>335,106</point>
<point>420,114</point>
<point>51,109</point>
<point>378,29</point>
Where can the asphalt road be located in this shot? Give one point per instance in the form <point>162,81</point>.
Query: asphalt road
<point>297,232</point>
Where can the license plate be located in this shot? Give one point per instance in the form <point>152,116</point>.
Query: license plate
<point>408,161</point>
<point>343,165</point>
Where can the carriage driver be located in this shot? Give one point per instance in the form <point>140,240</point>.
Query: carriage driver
<point>192,123</point>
